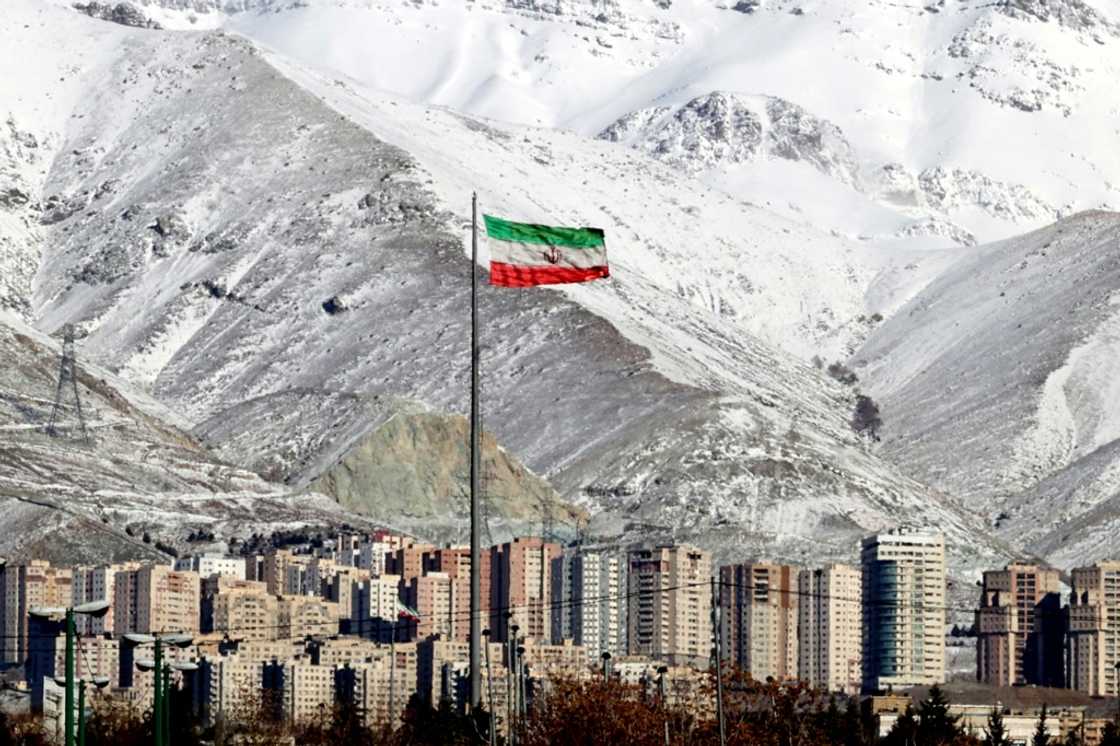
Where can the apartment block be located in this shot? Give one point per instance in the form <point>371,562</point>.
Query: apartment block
<point>521,584</point>
<point>670,604</point>
<point>372,555</point>
<point>829,628</point>
<point>590,600</point>
<point>455,561</point>
<point>212,564</point>
<point>96,584</point>
<point>433,597</point>
<point>903,609</point>
<point>436,655</point>
<point>380,687</point>
<point>227,684</point>
<point>1093,630</point>
<point>155,598</point>
<point>1019,627</point>
<point>304,616</point>
<point>242,609</point>
<point>408,560</point>
<point>297,690</point>
<point>376,605</point>
<point>24,586</point>
<point>758,616</point>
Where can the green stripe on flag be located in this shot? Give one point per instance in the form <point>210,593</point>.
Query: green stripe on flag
<point>574,238</point>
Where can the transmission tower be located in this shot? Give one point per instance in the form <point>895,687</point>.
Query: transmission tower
<point>67,374</point>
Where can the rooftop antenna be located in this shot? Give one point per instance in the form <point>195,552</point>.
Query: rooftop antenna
<point>67,373</point>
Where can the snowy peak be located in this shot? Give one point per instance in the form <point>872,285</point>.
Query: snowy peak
<point>723,128</point>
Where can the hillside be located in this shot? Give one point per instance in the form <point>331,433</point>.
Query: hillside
<point>997,384</point>
<point>283,232</point>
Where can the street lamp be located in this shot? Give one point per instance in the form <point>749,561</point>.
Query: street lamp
<point>490,687</point>
<point>98,681</point>
<point>94,609</point>
<point>161,713</point>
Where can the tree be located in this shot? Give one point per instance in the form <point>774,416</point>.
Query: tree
<point>935,724</point>
<point>996,734</point>
<point>866,420</point>
<point>1041,735</point>
<point>1111,735</point>
<point>904,732</point>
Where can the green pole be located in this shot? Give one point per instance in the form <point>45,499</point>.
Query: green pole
<point>157,703</point>
<point>69,700</point>
<point>82,713</point>
<point>167,706</point>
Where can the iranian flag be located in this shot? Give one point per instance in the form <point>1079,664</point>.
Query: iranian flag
<point>526,254</point>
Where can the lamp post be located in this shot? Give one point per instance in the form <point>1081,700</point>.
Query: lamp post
<point>98,681</point>
<point>93,608</point>
<point>161,713</point>
<point>490,688</point>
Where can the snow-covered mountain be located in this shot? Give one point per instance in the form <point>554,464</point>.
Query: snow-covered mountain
<point>266,231</point>
<point>998,384</point>
<point>919,112</point>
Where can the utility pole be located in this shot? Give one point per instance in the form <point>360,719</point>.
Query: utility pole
<point>717,627</point>
<point>476,463</point>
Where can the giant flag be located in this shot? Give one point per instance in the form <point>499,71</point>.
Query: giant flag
<point>527,254</point>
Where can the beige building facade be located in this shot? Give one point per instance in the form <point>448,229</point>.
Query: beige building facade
<point>1093,629</point>
<point>670,604</point>
<point>903,609</point>
<point>758,617</point>
<point>830,645</point>
<point>1019,627</point>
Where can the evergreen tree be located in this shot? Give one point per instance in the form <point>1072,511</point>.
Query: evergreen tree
<point>1111,735</point>
<point>1041,735</point>
<point>935,725</point>
<point>853,724</point>
<point>996,734</point>
<point>904,732</point>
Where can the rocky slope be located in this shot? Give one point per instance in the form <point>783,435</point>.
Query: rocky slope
<point>277,242</point>
<point>996,384</point>
<point>135,482</point>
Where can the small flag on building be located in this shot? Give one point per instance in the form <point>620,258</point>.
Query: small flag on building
<point>526,254</point>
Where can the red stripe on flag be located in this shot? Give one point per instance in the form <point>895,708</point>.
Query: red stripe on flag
<point>518,276</point>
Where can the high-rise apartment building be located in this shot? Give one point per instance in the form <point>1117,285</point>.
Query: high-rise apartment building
<point>376,607</point>
<point>96,584</point>
<point>590,600</point>
<point>299,690</point>
<point>830,629</point>
<point>521,584</point>
<point>903,609</point>
<point>408,561</point>
<point>433,598</point>
<point>305,616</point>
<point>25,585</point>
<point>154,599</point>
<point>241,609</point>
<point>1019,627</point>
<point>758,616</point>
<point>1093,630</point>
<point>670,604</point>
<point>455,561</point>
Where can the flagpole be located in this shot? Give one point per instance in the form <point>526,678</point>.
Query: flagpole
<point>476,551</point>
